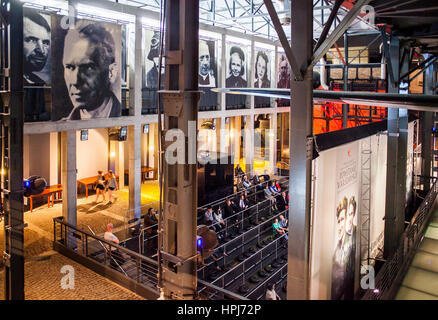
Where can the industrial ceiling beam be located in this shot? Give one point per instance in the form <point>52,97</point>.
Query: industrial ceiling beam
<point>283,39</point>
<point>337,33</point>
<point>329,23</point>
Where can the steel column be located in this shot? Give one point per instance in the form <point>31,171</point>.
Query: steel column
<point>345,107</point>
<point>427,122</point>
<point>180,100</point>
<point>392,214</point>
<point>13,155</point>
<point>300,154</point>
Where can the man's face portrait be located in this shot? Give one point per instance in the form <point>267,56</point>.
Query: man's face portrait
<point>261,67</point>
<point>341,225</point>
<point>236,65</point>
<point>349,225</point>
<point>204,58</point>
<point>36,45</point>
<point>284,69</point>
<point>87,75</point>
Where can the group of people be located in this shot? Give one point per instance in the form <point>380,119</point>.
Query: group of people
<point>280,227</point>
<point>103,185</point>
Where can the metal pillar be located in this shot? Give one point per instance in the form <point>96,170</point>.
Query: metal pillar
<point>427,122</point>
<point>180,100</point>
<point>134,148</point>
<point>12,147</point>
<point>301,146</point>
<point>396,159</point>
<point>345,106</point>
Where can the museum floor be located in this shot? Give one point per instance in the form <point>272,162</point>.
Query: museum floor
<point>421,280</point>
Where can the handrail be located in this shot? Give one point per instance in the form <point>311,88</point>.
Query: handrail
<point>223,291</point>
<point>130,252</point>
<point>239,192</point>
<point>394,269</point>
<point>106,250</point>
<point>238,237</point>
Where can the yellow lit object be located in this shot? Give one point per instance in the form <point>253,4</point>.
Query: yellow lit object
<point>112,154</point>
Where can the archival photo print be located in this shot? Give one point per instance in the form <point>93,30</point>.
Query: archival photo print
<point>207,77</point>
<point>36,47</point>
<point>262,76</point>
<point>86,70</point>
<point>347,191</point>
<point>236,76</point>
<point>283,81</point>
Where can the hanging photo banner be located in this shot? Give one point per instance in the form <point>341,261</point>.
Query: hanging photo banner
<point>262,76</point>
<point>86,70</point>
<point>347,195</point>
<point>36,47</point>
<point>237,75</point>
<point>207,77</point>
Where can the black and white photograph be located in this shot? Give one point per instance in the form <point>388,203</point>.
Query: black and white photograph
<point>36,47</point>
<point>262,76</point>
<point>151,46</point>
<point>236,76</point>
<point>86,70</point>
<point>207,77</point>
<point>283,72</point>
<point>207,64</point>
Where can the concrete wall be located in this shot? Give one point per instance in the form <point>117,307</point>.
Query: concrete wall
<point>92,155</point>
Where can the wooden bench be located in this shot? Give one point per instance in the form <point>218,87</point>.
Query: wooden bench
<point>50,192</point>
<point>90,181</point>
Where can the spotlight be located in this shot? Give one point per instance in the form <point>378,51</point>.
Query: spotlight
<point>34,185</point>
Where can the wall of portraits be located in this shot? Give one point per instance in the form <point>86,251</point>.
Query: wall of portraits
<point>335,256</point>
<point>236,73</point>
<point>208,75</point>
<point>86,70</point>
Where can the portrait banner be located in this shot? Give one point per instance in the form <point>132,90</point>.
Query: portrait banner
<point>207,75</point>
<point>262,76</point>
<point>347,196</point>
<point>86,70</point>
<point>237,73</point>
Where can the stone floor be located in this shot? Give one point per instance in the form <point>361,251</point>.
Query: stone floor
<point>421,280</point>
<point>38,237</point>
<point>43,281</point>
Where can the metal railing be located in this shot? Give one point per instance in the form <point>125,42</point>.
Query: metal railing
<point>392,272</point>
<point>252,192</point>
<point>129,264</point>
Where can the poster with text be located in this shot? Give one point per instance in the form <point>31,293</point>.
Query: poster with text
<point>86,70</point>
<point>345,215</point>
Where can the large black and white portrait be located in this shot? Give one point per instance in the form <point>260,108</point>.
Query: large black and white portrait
<point>262,76</point>
<point>36,47</point>
<point>236,74</point>
<point>207,64</point>
<point>283,72</point>
<point>262,70</point>
<point>86,70</point>
<point>236,61</point>
<point>151,46</point>
<point>207,75</point>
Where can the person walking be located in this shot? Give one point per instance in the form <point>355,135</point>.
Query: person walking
<point>112,185</point>
<point>100,185</point>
